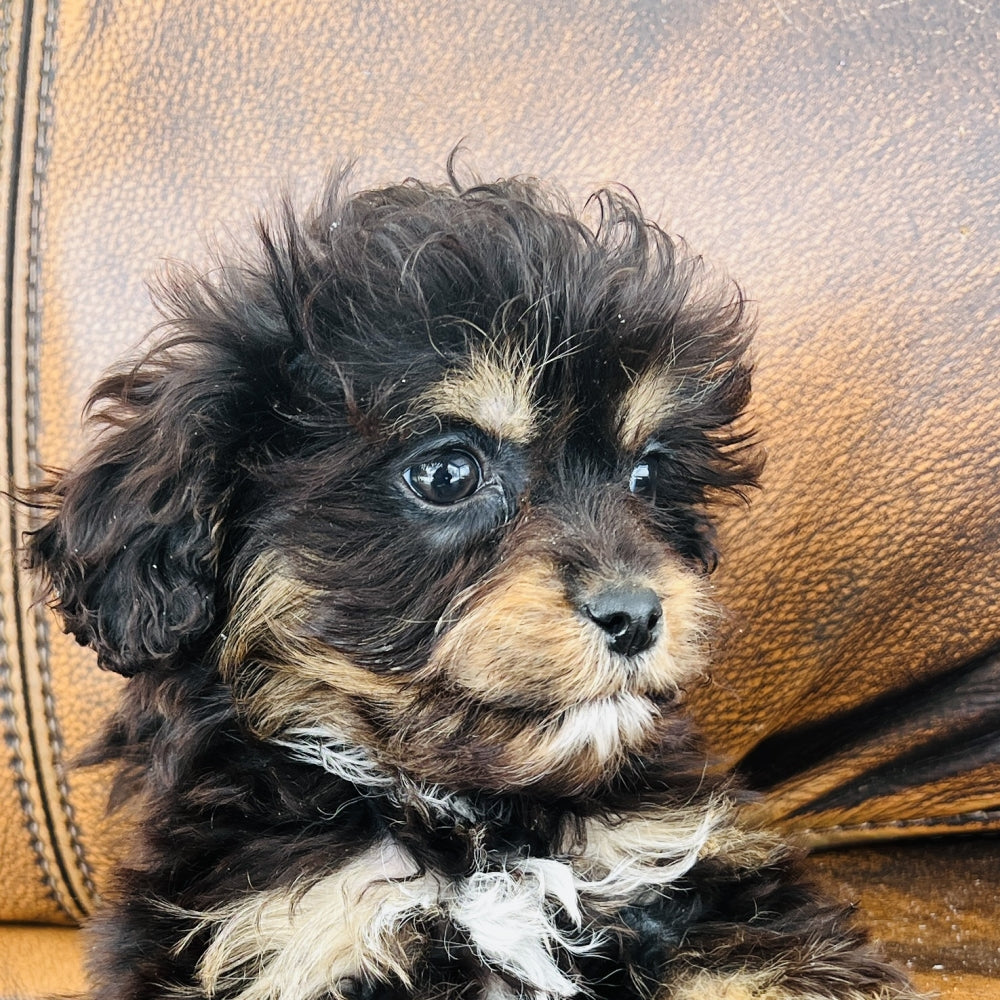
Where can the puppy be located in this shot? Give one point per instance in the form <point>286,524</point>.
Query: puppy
<point>401,533</point>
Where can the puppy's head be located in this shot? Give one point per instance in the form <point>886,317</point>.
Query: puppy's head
<point>426,481</point>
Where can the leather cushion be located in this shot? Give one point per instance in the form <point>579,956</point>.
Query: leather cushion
<point>932,904</point>
<point>40,961</point>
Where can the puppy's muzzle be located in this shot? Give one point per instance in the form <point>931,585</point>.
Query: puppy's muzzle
<point>629,615</point>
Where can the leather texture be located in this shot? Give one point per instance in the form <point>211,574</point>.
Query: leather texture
<point>839,159</point>
<point>932,904</point>
<point>38,961</point>
<point>42,867</point>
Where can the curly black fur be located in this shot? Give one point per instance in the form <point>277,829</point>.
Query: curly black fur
<point>242,542</point>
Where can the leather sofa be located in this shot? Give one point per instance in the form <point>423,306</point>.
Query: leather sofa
<point>840,160</point>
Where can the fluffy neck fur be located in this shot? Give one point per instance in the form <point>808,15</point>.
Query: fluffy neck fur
<point>236,842</point>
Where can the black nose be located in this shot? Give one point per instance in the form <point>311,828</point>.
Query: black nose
<point>628,614</point>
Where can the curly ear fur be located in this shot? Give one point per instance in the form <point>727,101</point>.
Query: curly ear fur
<point>130,552</point>
<point>132,546</point>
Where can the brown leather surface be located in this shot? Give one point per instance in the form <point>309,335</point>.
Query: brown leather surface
<point>36,852</point>
<point>40,962</point>
<point>922,764</point>
<point>839,159</point>
<point>933,904</point>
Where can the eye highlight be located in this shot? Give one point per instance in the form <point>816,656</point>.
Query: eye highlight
<point>444,479</point>
<point>642,479</point>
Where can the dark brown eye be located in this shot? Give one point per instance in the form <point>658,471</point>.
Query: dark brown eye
<point>642,480</point>
<point>444,479</point>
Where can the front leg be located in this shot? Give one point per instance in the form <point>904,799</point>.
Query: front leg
<point>720,912</point>
<point>811,953</point>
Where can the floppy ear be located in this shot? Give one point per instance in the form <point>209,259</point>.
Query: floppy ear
<point>131,549</point>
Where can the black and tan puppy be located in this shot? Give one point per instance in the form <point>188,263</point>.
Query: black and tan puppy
<point>400,532</point>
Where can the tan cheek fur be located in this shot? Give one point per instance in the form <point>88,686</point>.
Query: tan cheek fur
<point>284,679</point>
<point>512,645</point>
<point>517,641</point>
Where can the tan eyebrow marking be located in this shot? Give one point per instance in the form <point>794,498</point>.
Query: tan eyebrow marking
<point>493,390</point>
<point>653,396</point>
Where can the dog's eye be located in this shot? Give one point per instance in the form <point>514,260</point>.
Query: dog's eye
<point>642,481</point>
<point>444,479</point>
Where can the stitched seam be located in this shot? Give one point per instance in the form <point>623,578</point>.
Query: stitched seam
<point>19,762</point>
<point>8,717</point>
<point>43,148</point>
<point>23,785</point>
<point>979,817</point>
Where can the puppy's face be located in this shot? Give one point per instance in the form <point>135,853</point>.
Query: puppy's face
<point>485,592</point>
<point>454,514</point>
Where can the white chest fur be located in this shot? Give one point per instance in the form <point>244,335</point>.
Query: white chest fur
<point>526,919</point>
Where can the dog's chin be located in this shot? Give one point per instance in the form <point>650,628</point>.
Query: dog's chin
<point>571,752</point>
<point>439,734</point>
<point>592,739</point>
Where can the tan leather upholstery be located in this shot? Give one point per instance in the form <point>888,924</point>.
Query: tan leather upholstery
<point>933,904</point>
<point>40,961</point>
<point>840,159</point>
